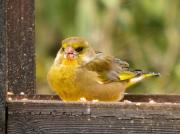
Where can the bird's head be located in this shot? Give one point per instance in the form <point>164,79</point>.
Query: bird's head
<point>76,49</point>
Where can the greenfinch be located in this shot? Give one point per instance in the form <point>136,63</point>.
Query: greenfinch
<point>80,72</point>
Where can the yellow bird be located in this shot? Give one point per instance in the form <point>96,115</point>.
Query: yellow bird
<point>80,72</point>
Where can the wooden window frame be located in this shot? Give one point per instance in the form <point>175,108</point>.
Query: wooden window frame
<point>30,113</point>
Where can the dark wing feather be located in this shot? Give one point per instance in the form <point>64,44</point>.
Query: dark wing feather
<point>107,67</point>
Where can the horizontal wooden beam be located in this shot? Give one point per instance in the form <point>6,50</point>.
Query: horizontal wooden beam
<point>54,116</point>
<point>128,97</point>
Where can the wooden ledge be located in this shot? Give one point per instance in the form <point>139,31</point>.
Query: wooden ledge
<point>128,97</point>
<point>162,115</point>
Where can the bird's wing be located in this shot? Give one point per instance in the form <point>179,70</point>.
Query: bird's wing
<point>110,69</point>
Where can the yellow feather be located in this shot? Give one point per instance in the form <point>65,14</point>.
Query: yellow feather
<point>125,75</point>
<point>140,78</point>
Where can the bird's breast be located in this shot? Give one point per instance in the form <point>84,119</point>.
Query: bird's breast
<point>62,79</point>
<point>72,83</point>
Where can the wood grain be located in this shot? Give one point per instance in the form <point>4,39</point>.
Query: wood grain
<point>159,98</point>
<point>53,116</point>
<point>17,68</point>
<point>20,46</point>
<point>2,66</point>
<point>2,120</point>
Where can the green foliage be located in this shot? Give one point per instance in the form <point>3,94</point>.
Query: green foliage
<point>143,32</point>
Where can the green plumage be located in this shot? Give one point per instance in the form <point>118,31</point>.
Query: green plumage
<point>80,72</point>
<point>111,69</point>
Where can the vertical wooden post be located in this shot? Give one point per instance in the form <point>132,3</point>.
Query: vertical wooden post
<point>17,64</point>
<point>20,46</point>
<point>2,67</point>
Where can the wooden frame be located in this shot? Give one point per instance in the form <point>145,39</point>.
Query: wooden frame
<point>31,113</point>
<point>2,67</point>
<point>17,67</point>
<point>20,46</point>
<point>46,114</point>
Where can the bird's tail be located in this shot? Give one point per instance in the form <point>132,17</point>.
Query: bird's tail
<point>138,78</point>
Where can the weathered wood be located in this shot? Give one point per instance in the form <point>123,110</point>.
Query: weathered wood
<point>2,120</point>
<point>54,116</point>
<point>128,97</point>
<point>16,50</point>
<point>20,46</point>
<point>2,66</point>
<point>160,98</point>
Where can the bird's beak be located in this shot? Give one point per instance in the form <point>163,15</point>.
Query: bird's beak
<point>69,53</point>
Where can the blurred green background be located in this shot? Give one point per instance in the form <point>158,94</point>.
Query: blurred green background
<point>145,33</point>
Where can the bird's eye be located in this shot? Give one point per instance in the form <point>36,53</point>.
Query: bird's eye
<point>62,48</point>
<point>79,49</point>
